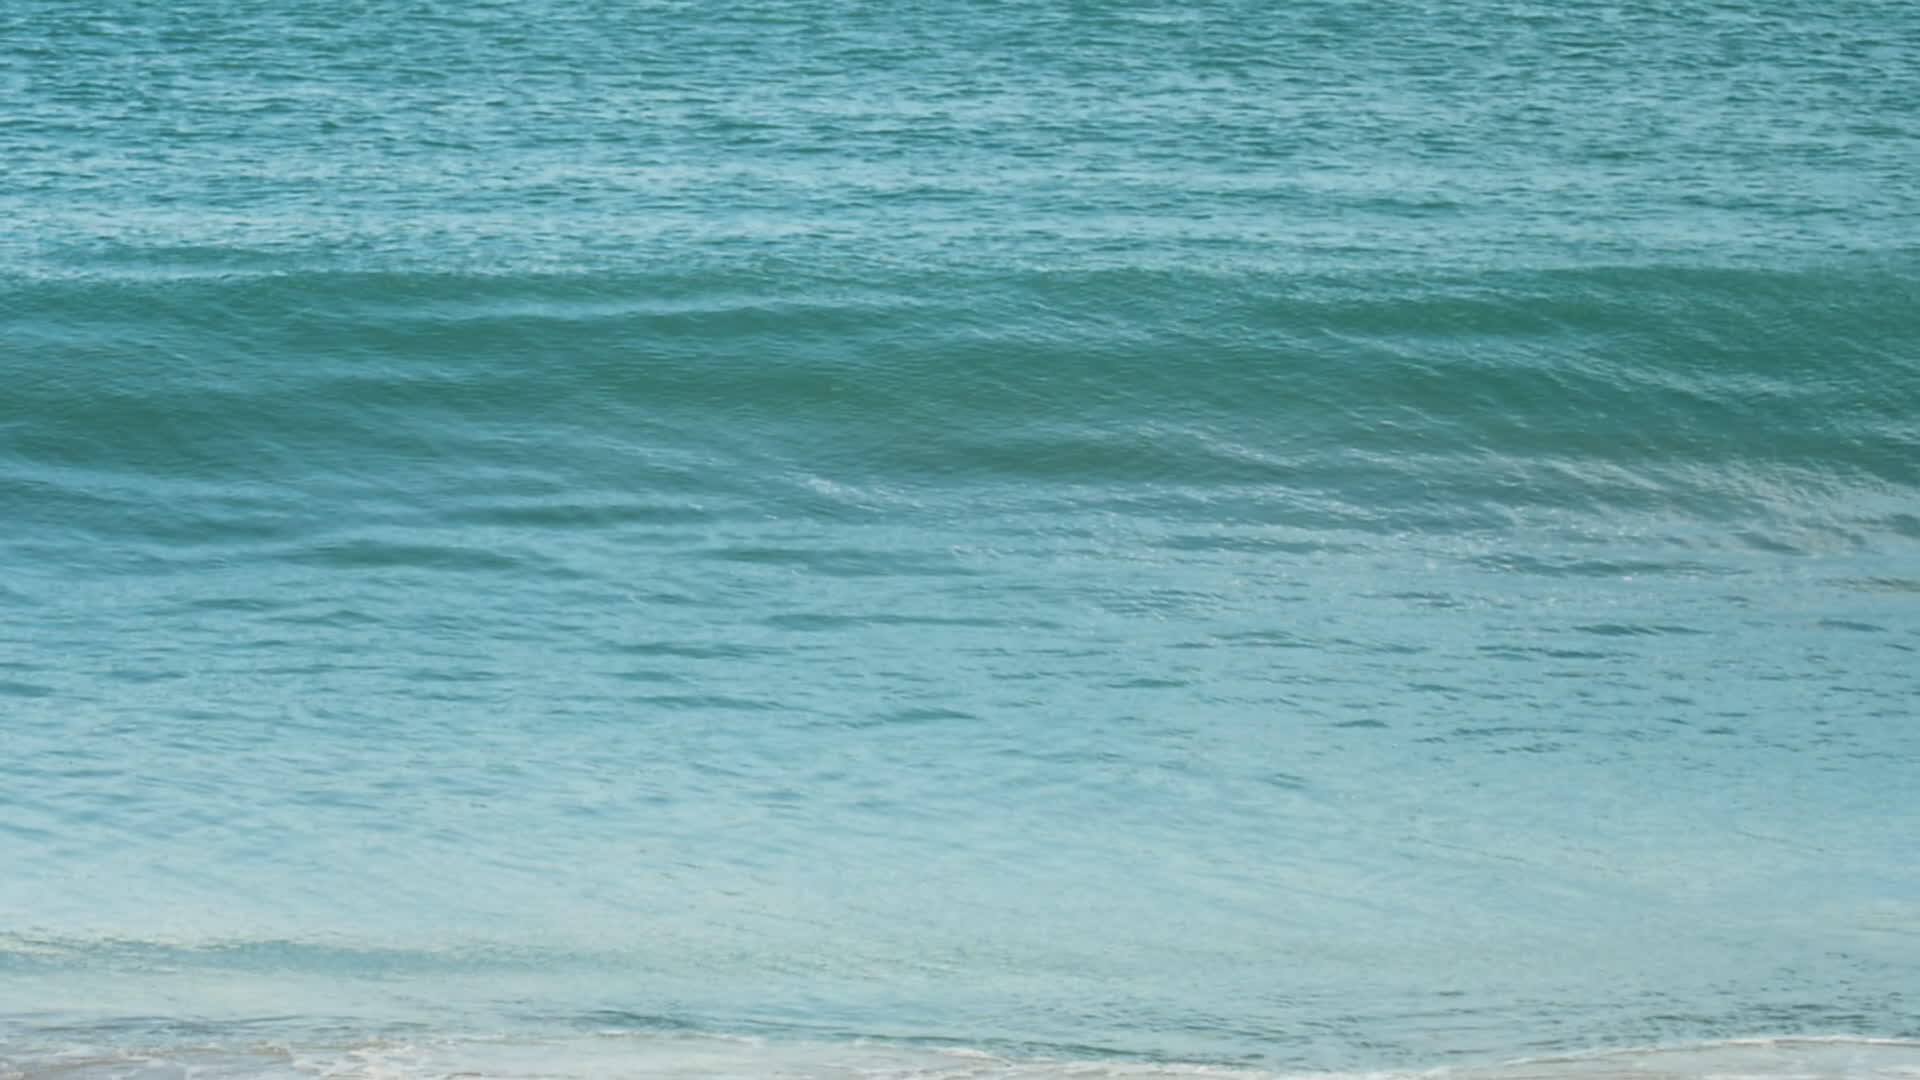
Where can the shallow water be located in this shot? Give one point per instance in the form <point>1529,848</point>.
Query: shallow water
<point>571,539</point>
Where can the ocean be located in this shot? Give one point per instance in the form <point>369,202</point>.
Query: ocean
<point>959,540</point>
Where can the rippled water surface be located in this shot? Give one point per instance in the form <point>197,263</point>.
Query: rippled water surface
<point>573,540</point>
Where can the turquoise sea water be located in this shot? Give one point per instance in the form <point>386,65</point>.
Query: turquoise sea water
<point>959,540</point>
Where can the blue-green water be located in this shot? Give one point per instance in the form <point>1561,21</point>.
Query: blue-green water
<point>959,540</point>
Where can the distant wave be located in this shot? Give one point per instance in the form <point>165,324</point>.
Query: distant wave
<point>1777,402</point>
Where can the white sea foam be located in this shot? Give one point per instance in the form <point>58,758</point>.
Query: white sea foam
<point>626,1056</point>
